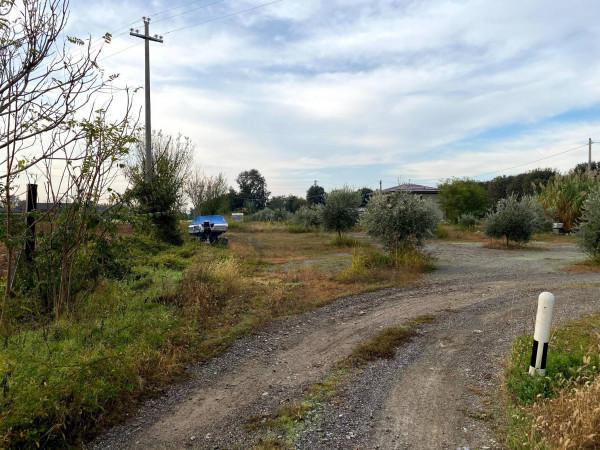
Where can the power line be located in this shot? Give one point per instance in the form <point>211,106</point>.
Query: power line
<point>214,19</point>
<point>532,162</point>
<point>125,29</point>
<point>226,16</point>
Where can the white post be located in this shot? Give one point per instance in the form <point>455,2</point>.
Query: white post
<point>541,335</point>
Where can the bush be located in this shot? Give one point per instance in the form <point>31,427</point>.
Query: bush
<point>564,196</point>
<point>468,221</point>
<point>589,230</point>
<point>401,220</point>
<point>459,197</point>
<point>340,212</point>
<point>308,217</point>
<point>270,215</point>
<point>513,220</point>
<point>542,222</point>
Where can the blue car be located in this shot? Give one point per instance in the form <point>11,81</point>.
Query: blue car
<point>209,228</point>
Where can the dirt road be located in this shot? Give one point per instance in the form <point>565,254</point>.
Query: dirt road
<point>439,391</point>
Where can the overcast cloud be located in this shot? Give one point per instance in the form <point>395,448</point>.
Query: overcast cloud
<point>354,91</point>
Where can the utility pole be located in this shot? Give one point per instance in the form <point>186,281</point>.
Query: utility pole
<point>147,38</point>
<point>590,156</point>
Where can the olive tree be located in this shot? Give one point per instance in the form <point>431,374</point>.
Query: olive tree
<point>512,220</point>
<point>340,212</point>
<point>589,228</point>
<point>401,220</point>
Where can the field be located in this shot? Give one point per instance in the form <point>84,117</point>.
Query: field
<point>130,336</point>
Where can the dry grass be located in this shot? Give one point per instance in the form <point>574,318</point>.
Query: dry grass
<point>454,233</point>
<point>584,267</point>
<point>572,420</point>
<point>384,344</point>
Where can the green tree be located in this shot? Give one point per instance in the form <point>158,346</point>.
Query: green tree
<point>458,197</point>
<point>589,230</point>
<point>253,190</point>
<point>160,196</point>
<point>315,195</point>
<point>340,212</point>
<point>401,220</point>
<point>289,203</point>
<point>513,220</point>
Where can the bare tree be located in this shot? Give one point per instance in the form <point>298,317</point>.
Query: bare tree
<point>46,83</point>
<point>207,193</point>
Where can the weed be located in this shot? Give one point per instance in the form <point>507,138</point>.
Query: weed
<point>345,241</point>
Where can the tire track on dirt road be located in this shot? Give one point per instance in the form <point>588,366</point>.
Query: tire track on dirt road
<point>261,372</point>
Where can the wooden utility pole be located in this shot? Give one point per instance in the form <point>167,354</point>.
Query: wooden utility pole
<point>147,38</point>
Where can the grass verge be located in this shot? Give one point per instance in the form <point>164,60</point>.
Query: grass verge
<point>281,429</point>
<point>559,410</point>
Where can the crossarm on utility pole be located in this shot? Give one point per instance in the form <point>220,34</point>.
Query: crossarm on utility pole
<point>147,38</point>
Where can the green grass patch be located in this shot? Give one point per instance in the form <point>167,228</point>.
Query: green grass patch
<point>65,380</point>
<point>573,360</point>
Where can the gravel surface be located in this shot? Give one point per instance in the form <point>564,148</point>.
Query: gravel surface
<point>439,391</point>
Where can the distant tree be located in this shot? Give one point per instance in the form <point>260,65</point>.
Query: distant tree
<point>401,220</point>
<point>365,195</point>
<point>315,195</point>
<point>340,212</point>
<point>289,203</point>
<point>160,197</point>
<point>583,167</point>
<point>458,197</point>
<point>236,202</point>
<point>208,194</point>
<point>520,185</point>
<point>253,190</point>
<point>513,220</point>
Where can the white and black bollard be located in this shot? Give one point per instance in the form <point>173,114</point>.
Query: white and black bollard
<point>541,335</point>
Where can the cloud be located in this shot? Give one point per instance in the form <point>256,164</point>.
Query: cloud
<point>357,90</point>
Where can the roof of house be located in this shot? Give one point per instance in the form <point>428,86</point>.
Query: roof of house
<point>412,188</point>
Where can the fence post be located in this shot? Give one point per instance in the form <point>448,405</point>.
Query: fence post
<point>31,206</point>
<point>541,335</point>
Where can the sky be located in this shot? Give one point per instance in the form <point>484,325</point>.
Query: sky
<point>351,92</point>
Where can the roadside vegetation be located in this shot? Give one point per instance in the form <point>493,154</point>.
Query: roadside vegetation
<point>560,409</point>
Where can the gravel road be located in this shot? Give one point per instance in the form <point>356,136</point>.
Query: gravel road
<point>440,391</point>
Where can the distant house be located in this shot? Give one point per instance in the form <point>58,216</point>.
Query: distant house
<point>425,191</point>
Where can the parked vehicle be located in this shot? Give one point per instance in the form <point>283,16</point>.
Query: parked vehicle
<point>209,229</point>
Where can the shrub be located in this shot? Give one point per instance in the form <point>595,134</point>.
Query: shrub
<point>270,215</point>
<point>564,196</point>
<point>513,220</point>
<point>401,220</point>
<point>309,217</point>
<point>340,212</point>
<point>589,230</point>
<point>542,221</point>
<point>458,197</point>
<point>468,221</point>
